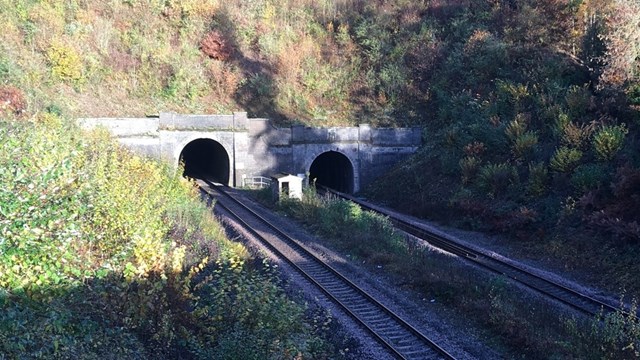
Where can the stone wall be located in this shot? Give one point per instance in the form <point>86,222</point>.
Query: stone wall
<point>256,147</point>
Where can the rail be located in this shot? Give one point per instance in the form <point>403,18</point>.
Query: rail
<point>545,286</point>
<point>400,337</point>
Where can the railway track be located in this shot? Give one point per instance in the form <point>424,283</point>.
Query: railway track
<point>547,287</point>
<point>402,339</point>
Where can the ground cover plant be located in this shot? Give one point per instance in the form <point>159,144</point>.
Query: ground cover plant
<point>519,324</point>
<point>104,254</point>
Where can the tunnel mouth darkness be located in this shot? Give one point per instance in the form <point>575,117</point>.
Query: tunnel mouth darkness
<point>334,170</point>
<point>205,158</point>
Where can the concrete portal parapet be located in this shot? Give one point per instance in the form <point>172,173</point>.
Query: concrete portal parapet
<point>124,127</point>
<point>256,147</point>
<point>173,121</point>
<point>396,136</point>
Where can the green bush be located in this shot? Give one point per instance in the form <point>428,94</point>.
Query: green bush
<point>363,233</point>
<point>65,62</point>
<point>524,144</point>
<point>589,176</point>
<point>538,179</point>
<point>516,127</point>
<point>617,336</point>
<point>565,159</point>
<point>469,167</point>
<point>105,254</point>
<point>494,178</point>
<point>608,141</point>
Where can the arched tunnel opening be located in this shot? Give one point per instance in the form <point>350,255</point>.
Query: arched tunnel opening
<point>334,170</point>
<point>205,158</point>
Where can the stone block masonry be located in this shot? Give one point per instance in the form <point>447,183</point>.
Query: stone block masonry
<point>256,147</point>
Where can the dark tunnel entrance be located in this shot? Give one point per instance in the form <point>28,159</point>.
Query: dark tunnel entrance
<point>332,169</point>
<point>205,158</point>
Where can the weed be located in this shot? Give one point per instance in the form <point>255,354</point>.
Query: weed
<point>524,144</point>
<point>612,336</point>
<point>107,254</point>
<point>589,177</point>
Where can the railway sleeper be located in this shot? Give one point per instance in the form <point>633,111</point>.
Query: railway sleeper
<point>364,309</point>
<point>374,314</point>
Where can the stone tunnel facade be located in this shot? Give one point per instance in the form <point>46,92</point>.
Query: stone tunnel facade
<point>256,147</point>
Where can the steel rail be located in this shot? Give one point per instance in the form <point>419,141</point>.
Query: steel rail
<point>547,287</point>
<point>364,317</point>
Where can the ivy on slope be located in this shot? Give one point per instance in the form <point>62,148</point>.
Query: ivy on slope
<point>104,254</point>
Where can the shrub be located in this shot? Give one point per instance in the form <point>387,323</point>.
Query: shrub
<point>579,101</point>
<point>525,143</point>
<point>516,127</point>
<point>215,46</point>
<point>538,178</point>
<point>577,136</point>
<point>619,215</point>
<point>589,176</point>
<point>12,100</point>
<point>65,62</point>
<point>612,336</point>
<point>495,178</point>
<point>565,159</point>
<point>475,148</point>
<point>608,141</point>
<point>469,168</point>
<point>103,253</point>
<point>633,94</point>
<point>560,123</point>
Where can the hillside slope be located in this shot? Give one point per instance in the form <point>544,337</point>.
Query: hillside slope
<point>530,108</point>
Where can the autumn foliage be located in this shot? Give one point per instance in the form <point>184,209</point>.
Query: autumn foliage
<point>215,46</point>
<point>12,100</point>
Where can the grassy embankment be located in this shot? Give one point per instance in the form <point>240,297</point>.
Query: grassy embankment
<point>532,131</point>
<point>104,254</point>
<point>521,325</point>
<point>530,107</point>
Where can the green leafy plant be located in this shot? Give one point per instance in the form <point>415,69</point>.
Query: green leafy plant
<point>524,144</point>
<point>108,254</point>
<point>589,176</point>
<point>65,62</point>
<point>617,335</point>
<point>494,178</point>
<point>468,168</point>
<point>538,179</point>
<point>609,140</point>
<point>565,159</point>
<point>516,128</point>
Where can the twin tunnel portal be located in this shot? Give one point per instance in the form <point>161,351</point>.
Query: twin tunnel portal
<point>232,148</point>
<point>208,158</point>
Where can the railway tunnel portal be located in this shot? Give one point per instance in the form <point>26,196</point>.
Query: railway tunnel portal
<point>205,158</point>
<point>233,148</point>
<point>334,170</point>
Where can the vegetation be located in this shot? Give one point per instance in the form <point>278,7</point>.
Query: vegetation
<point>530,108</point>
<point>104,254</point>
<point>519,325</point>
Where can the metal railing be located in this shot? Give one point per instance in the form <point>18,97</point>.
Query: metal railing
<point>255,182</point>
